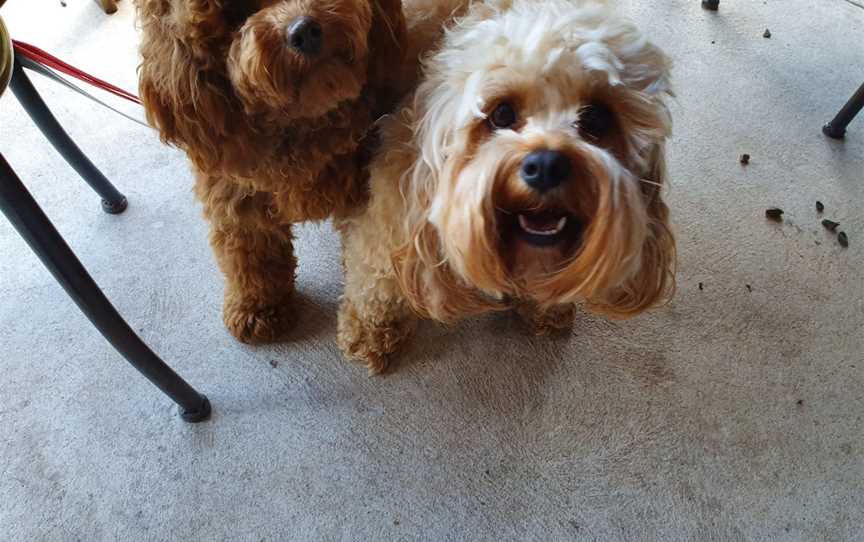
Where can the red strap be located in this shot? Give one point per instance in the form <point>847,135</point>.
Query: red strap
<point>38,55</point>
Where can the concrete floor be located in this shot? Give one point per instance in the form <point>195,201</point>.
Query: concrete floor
<point>730,414</point>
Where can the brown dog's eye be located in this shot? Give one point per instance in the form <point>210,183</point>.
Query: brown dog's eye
<point>595,121</point>
<point>503,116</point>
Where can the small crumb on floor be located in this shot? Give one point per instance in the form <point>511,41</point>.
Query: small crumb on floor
<point>274,363</point>
<point>774,213</point>
<point>843,239</point>
<point>800,402</point>
<point>749,288</point>
<point>819,206</point>
<point>700,286</point>
<point>766,34</point>
<point>830,224</point>
<point>745,159</point>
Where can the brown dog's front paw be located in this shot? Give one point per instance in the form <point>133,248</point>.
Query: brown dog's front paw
<point>371,343</point>
<point>552,321</point>
<point>253,324</point>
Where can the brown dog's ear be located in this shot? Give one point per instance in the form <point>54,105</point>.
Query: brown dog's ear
<point>182,79</point>
<point>654,282</point>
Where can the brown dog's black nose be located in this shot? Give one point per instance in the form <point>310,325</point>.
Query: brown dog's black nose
<point>305,35</point>
<point>545,169</point>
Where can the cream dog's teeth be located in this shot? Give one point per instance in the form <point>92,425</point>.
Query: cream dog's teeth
<point>561,223</point>
<point>523,222</point>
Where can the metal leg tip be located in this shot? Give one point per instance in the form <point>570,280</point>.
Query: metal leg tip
<point>195,416</point>
<point>831,131</point>
<point>115,207</point>
<point>711,5</point>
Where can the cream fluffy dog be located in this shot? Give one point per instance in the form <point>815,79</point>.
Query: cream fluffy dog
<point>525,172</point>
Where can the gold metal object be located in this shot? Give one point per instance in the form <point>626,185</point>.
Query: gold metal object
<point>6,55</point>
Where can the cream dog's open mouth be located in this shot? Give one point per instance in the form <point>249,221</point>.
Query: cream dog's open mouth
<point>542,224</point>
<point>544,228</point>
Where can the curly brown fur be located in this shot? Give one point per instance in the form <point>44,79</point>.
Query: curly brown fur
<point>275,136</point>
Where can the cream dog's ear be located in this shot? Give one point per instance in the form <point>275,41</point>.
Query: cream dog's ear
<point>654,280</point>
<point>427,280</point>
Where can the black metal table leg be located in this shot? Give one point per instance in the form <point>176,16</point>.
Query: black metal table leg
<point>837,127</point>
<point>26,216</point>
<point>112,200</point>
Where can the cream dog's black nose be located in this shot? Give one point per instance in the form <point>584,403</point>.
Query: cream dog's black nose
<point>545,169</point>
<point>305,35</point>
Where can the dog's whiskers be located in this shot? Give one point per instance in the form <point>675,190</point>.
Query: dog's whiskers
<point>653,183</point>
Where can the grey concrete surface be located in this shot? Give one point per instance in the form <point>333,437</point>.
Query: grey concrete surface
<point>730,414</point>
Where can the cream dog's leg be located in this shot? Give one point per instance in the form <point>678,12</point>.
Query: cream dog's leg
<point>374,317</point>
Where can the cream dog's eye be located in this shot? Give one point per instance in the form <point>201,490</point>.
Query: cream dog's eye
<point>503,116</point>
<point>595,121</point>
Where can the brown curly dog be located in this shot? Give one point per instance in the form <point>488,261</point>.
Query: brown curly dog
<point>272,101</point>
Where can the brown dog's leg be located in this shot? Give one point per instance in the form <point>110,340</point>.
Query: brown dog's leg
<point>256,255</point>
<point>259,272</point>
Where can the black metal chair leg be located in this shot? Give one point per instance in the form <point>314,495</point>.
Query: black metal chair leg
<point>26,216</point>
<point>837,127</point>
<point>112,200</point>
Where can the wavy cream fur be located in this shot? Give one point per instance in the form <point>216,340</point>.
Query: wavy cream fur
<point>432,241</point>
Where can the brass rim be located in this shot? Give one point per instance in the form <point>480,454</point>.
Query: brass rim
<point>6,57</point>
